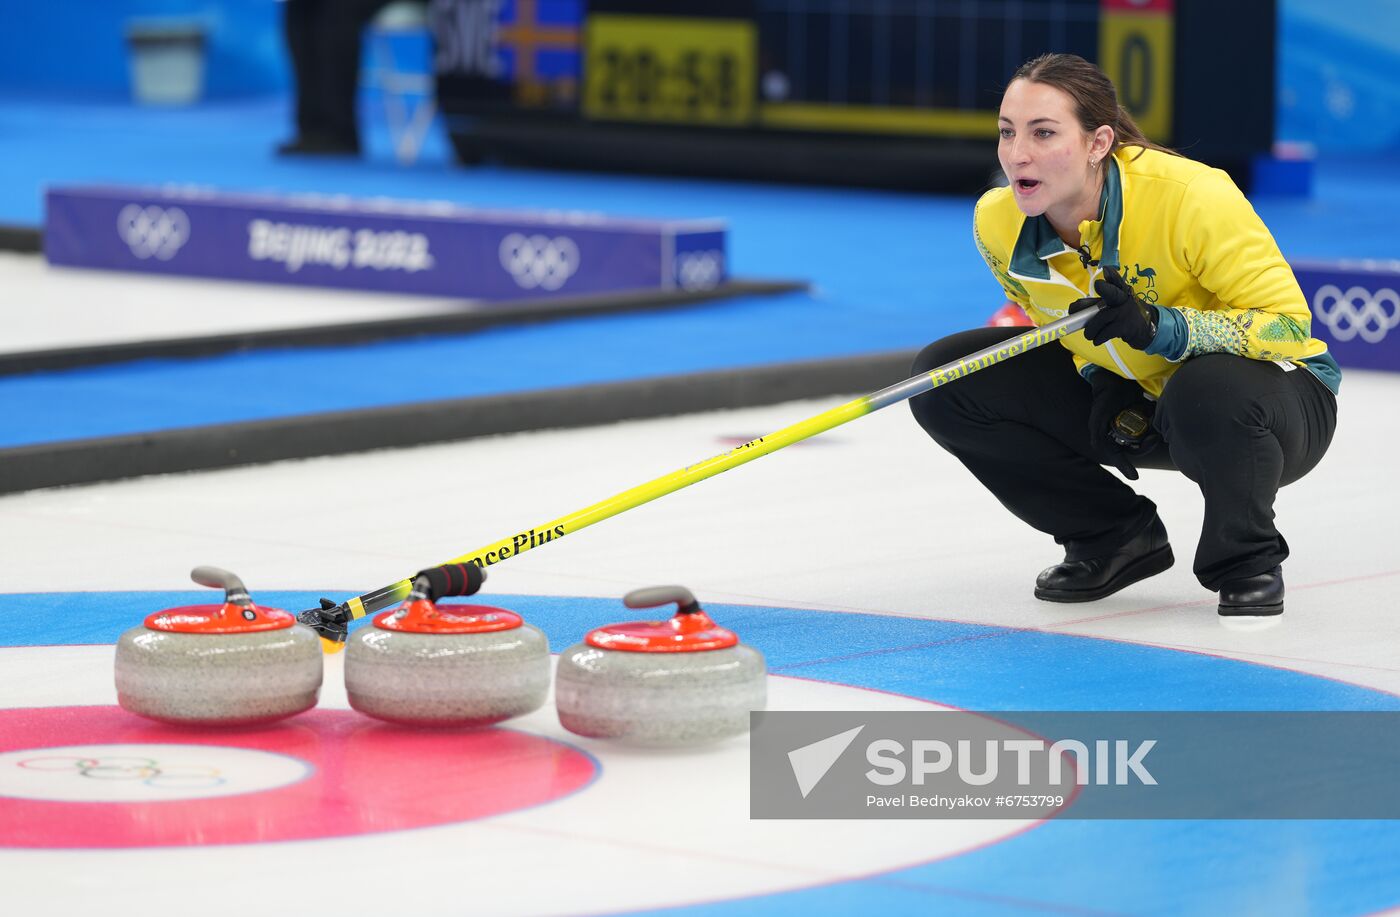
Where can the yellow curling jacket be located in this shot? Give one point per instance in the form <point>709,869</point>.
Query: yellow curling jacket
<point>1186,239</point>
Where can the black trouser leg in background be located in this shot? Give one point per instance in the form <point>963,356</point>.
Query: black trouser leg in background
<point>299,28</point>
<point>325,40</point>
<point>1239,428</point>
<point>1022,428</point>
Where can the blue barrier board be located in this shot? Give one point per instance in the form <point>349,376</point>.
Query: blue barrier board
<point>421,247</point>
<point>1356,310</point>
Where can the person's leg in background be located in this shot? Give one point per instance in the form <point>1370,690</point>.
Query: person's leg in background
<point>299,31</point>
<point>325,42</point>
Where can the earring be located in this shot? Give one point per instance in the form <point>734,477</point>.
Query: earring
<point>1093,163</point>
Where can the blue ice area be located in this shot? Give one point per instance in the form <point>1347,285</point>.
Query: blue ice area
<point>885,277</point>
<point>1063,866</point>
<point>165,394</point>
<point>972,666</point>
<point>890,271</point>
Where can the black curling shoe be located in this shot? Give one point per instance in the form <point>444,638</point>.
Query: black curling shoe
<point>320,145</point>
<point>1253,596</point>
<point>1086,580</point>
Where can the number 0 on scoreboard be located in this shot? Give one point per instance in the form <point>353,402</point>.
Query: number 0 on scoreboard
<point>1136,50</point>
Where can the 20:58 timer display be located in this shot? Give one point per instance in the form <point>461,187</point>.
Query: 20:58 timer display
<point>698,71</point>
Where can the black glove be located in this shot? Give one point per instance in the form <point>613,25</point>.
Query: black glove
<point>1115,402</point>
<point>1124,316</point>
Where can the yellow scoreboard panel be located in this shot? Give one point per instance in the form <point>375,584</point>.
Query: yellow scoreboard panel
<point>1136,50</point>
<point>670,69</point>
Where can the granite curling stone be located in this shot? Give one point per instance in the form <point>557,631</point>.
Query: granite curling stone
<point>683,681</point>
<point>425,664</point>
<point>219,665</point>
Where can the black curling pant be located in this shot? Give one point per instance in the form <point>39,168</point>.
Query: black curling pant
<point>1239,428</point>
<point>324,38</point>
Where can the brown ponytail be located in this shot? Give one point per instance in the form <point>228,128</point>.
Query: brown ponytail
<point>1095,97</point>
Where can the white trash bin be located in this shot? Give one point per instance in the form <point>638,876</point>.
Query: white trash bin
<point>167,60</point>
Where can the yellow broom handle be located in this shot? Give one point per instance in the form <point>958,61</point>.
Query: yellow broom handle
<point>556,529</point>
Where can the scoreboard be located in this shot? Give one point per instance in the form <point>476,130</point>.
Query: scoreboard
<point>676,70</point>
<point>869,91</point>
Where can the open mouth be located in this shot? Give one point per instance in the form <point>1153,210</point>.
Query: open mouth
<point>1027,185</point>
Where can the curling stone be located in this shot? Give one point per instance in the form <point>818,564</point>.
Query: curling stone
<point>683,681</point>
<point>425,664</point>
<point>219,665</point>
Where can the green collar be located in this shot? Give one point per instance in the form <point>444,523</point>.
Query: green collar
<point>1039,242</point>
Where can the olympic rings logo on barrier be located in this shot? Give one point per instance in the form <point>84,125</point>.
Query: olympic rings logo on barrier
<point>146,770</point>
<point>153,232</point>
<point>539,261</point>
<point>1357,312</point>
<point>700,270</point>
